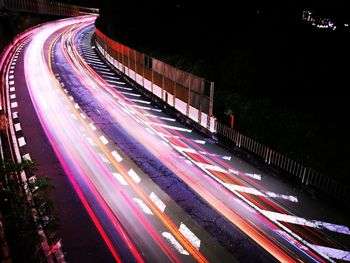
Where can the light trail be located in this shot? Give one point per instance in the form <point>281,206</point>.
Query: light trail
<point>245,190</point>
<point>119,205</point>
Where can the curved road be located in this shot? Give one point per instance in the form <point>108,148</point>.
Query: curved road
<point>155,190</point>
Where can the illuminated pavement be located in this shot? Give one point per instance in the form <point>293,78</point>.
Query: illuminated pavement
<point>155,189</point>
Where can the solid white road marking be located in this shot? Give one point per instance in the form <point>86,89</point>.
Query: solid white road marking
<point>157,202</point>
<point>192,238</point>
<point>171,239</point>
<point>134,176</point>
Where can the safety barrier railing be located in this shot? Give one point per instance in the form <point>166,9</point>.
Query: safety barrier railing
<point>45,7</point>
<point>306,175</point>
<point>189,94</point>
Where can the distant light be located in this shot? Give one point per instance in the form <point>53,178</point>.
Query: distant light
<point>334,27</point>
<point>346,25</point>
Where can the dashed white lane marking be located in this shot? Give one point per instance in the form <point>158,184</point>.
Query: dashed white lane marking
<point>304,222</point>
<point>12,67</point>
<point>93,63</point>
<point>73,116</point>
<point>70,97</point>
<point>12,71</point>
<point>111,77</point>
<point>192,238</point>
<point>76,105</point>
<point>12,89</point>
<point>171,127</point>
<point>143,206</point>
<point>116,82</point>
<point>159,117</point>
<point>141,101</point>
<point>103,139</point>
<point>105,70</point>
<point>253,191</point>
<point>282,196</point>
<point>212,167</point>
<point>118,87</point>
<point>18,127</point>
<point>11,77</point>
<point>150,131</point>
<point>254,176</point>
<point>117,156</point>
<point>216,155</point>
<point>26,157</point>
<point>65,90</point>
<point>120,178</point>
<point>12,96</point>
<point>130,94</point>
<point>11,82</point>
<point>90,141</point>
<point>14,115</point>
<point>171,239</point>
<point>134,176</point>
<point>83,115</point>
<point>165,143</point>
<point>92,126</point>
<point>145,108</point>
<point>108,73</point>
<point>157,202</point>
<point>14,105</point>
<point>332,252</point>
<point>15,60</point>
<point>104,158</point>
<point>199,141</point>
<point>21,141</point>
<point>244,189</point>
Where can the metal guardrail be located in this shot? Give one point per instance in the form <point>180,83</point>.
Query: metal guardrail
<point>46,7</point>
<point>305,174</point>
<point>143,70</point>
<point>189,94</point>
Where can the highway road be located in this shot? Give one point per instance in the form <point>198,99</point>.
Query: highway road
<point>156,190</point>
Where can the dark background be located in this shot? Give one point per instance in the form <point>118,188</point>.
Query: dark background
<point>285,81</point>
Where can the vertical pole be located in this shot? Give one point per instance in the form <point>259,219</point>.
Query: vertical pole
<point>174,93</point>
<point>189,97</point>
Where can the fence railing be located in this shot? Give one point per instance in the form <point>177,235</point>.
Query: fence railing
<point>189,94</point>
<point>306,175</point>
<point>178,88</point>
<point>45,7</point>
